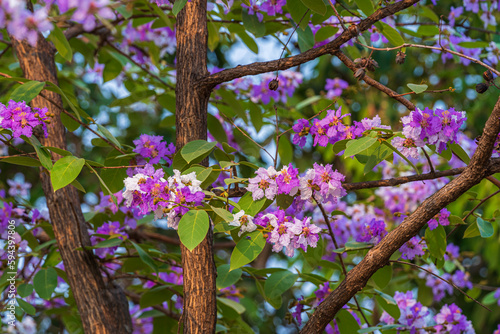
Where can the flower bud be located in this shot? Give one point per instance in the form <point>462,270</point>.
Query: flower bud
<point>400,58</point>
<point>273,84</point>
<point>481,87</point>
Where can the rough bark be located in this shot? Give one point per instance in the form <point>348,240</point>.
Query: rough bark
<point>199,314</point>
<point>103,306</point>
<point>379,256</point>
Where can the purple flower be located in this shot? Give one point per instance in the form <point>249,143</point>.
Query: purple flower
<point>373,230</point>
<point>472,5</point>
<point>334,87</point>
<point>112,229</point>
<point>318,130</point>
<point>264,184</point>
<point>301,129</point>
<point>88,10</point>
<point>452,252</point>
<point>19,117</point>
<point>407,146</point>
<point>451,320</point>
<point>454,13</point>
<point>442,218</point>
<point>306,234</point>
<point>153,148</point>
<point>19,188</point>
<point>287,180</point>
<point>415,246</point>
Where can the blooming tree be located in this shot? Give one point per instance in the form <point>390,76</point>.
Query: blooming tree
<point>171,179</point>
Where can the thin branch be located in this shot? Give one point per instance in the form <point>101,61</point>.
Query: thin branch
<point>472,211</point>
<point>450,89</point>
<point>137,298</point>
<point>442,279</point>
<point>420,46</point>
<point>374,83</point>
<point>429,161</point>
<point>332,235</point>
<point>215,79</point>
<point>147,278</point>
<point>157,78</point>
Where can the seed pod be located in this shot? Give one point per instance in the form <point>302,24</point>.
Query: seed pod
<point>488,76</point>
<point>371,64</point>
<point>360,73</point>
<point>481,87</point>
<point>274,84</point>
<point>400,58</point>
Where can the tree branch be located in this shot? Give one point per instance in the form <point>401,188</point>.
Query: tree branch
<point>379,256</point>
<point>209,82</point>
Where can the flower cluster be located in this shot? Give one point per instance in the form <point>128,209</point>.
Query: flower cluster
<point>413,247</point>
<point>286,231</point>
<point>413,314</point>
<point>21,119</point>
<point>153,148</point>
<point>440,288</point>
<point>451,320</point>
<point>112,229</point>
<point>171,197</point>
<point>22,23</point>
<point>332,129</point>
<point>321,183</point>
<point>86,12</point>
<point>429,127</point>
<point>334,87</point>
<point>288,81</point>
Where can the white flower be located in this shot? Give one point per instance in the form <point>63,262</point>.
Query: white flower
<point>245,222</point>
<point>131,185</point>
<point>305,189</point>
<point>182,181</point>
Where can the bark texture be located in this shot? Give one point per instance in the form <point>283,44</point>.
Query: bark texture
<point>200,310</point>
<point>103,306</point>
<point>379,256</point>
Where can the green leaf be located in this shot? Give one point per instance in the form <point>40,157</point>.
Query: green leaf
<point>227,277</point>
<point>108,135</point>
<point>323,34</point>
<point>132,98</point>
<point>485,227</point>
<point>317,6</point>
<point>346,322</point>
<point>28,308</point>
<point>380,154</point>
<point>252,24</point>
<point>113,177</point>
<point>284,201</point>
<point>216,129</point>
<point>61,43</point>
<point>392,34</point>
<point>249,41</point>
<point>42,153</point>
<point>428,30</point>
<point>27,92</point>
<point>65,171</point>
<point>279,282</point>
<point>59,151</point>
<point>297,10</point>
<point>155,296</point>
<point>145,257</point>
<point>383,276</point>
<point>285,150</point>
<point>22,161</point>
<point>45,282</point>
<point>459,152</point>
<point>24,290</point>
<point>456,220</point>
<point>224,214</point>
<point>390,308</point>
<point>489,299</point>
<point>436,241</point>
<point>306,39</point>
<point>308,101</point>
<point>358,145</point>
<point>247,249</point>
<point>196,149</point>
<point>474,45</point>
<point>112,242</point>
<point>366,6</point>
<point>385,142</point>
<point>427,12</point>
<point>250,206</point>
<point>418,88</point>
<point>178,5</point>
<point>472,231</point>
<point>193,228</point>
<point>240,309</point>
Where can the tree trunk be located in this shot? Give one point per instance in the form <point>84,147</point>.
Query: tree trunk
<point>200,303</point>
<point>103,307</point>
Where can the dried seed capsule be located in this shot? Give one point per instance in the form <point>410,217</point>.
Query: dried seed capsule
<point>360,73</point>
<point>487,75</point>
<point>400,58</point>
<point>481,87</point>
<point>273,84</point>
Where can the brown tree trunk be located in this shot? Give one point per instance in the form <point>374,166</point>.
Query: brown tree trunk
<point>200,303</point>
<point>103,307</point>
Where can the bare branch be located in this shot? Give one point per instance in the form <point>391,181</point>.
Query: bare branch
<point>282,64</point>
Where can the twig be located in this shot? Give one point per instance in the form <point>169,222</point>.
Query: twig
<point>344,270</point>
<point>429,161</point>
<point>420,46</point>
<point>450,89</point>
<point>444,280</point>
<point>157,78</point>
<point>137,298</point>
<point>472,211</point>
